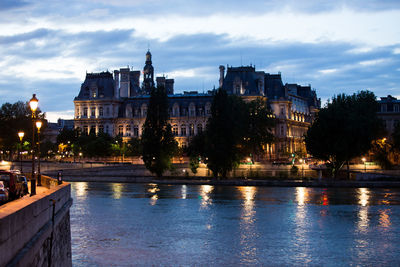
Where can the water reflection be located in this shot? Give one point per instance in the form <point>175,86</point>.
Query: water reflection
<point>248,194</point>
<point>240,225</point>
<point>301,195</point>
<point>248,232</point>
<point>363,196</point>
<point>80,189</point>
<point>117,190</point>
<point>153,189</point>
<point>184,191</point>
<point>301,223</point>
<point>363,220</point>
<point>384,219</point>
<point>205,191</point>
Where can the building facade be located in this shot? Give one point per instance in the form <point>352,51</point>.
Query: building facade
<point>117,104</point>
<point>389,112</point>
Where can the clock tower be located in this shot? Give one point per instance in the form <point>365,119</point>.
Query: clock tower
<point>148,73</point>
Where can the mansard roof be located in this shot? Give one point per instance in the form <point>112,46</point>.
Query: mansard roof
<point>104,83</point>
<point>274,88</point>
<point>245,76</point>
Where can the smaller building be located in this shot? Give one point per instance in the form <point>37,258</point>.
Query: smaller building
<point>389,112</point>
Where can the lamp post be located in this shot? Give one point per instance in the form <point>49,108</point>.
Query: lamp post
<point>20,135</point>
<point>365,165</point>
<point>33,103</point>
<point>38,126</point>
<point>302,167</point>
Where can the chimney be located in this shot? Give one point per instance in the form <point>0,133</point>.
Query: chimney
<point>116,83</point>
<point>221,75</point>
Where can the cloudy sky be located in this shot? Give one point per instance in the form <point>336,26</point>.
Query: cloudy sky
<point>46,46</point>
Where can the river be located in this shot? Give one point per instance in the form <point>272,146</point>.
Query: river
<point>115,224</point>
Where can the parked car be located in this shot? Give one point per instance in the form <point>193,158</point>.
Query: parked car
<point>3,193</point>
<point>11,182</point>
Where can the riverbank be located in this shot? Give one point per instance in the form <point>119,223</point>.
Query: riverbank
<point>260,175</point>
<point>269,181</point>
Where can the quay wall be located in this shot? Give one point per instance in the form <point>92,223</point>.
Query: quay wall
<point>35,231</point>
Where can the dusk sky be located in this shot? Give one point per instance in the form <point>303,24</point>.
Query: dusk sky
<point>47,46</point>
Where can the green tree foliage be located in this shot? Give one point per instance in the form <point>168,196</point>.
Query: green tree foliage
<point>134,147</point>
<point>14,118</point>
<point>93,145</point>
<point>225,133</point>
<point>259,130</point>
<point>235,130</point>
<point>158,143</point>
<point>344,129</point>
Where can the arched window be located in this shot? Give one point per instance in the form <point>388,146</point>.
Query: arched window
<point>191,129</point>
<point>183,130</point>
<point>199,128</point>
<point>175,130</point>
<point>120,129</point>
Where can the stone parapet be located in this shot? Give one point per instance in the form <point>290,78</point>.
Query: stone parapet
<point>35,231</point>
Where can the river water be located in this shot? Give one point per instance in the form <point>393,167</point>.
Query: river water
<point>115,224</point>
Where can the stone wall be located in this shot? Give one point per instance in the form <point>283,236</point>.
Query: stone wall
<point>35,231</point>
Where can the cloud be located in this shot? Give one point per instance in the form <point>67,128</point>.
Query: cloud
<point>11,4</point>
<point>336,46</point>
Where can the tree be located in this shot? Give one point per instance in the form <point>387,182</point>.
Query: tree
<point>259,129</point>
<point>344,129</point>
<point>14,118</point>
<point>158,143</point>
<point>225,132</point>
<point>236,129</point>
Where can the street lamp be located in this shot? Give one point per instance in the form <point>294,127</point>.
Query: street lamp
<point>33,103</point>
<point>365,165</point>
<point>20,135</point>
<point>38,126</point>
<point>302,166</point>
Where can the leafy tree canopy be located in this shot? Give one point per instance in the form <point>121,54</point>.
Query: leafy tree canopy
<point>158,143</point>
<point>344,129</point>
<point>236,129</point>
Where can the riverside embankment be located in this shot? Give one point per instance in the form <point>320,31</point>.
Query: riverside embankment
<point>35,230</point>
<point>276,176</point>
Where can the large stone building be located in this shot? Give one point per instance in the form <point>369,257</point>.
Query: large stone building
<point>389,112</point>
<point>117,104</point>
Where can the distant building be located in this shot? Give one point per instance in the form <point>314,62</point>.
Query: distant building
<point>389,112</point>
<point>53,129</point>
<point>117,104</point>
<point>294,106</point>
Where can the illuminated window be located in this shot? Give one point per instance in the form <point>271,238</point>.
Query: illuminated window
<point>128,128</point>
<point>191,130</point>
<point>175,130</point>
<point>183,130</point>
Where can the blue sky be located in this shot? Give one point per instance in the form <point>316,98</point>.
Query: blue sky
<point>47,46</point>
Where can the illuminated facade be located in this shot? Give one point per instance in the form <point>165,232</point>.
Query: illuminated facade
<point>117,104</point>
<point>389,112</point>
